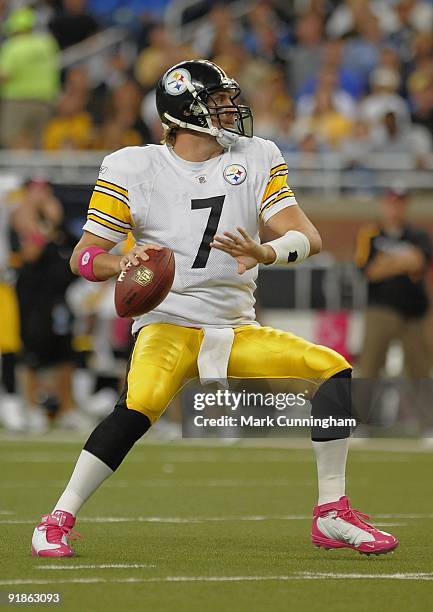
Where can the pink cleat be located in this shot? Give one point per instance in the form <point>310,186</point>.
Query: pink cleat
<point>338,525</point>
<point>50,538</point>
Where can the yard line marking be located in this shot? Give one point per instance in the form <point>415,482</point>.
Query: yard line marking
<point>387,524</point>
<point>31,485</point>
<point>339,576</point>
<point>396,445</point>
<point>166,519</point>
<point>97,566</point>
<point>212,519</point>
<point>404,516</point>
<point>295,576</point>
<point>243,456</point>
<point>38,458</point>
<point>6,512</point>
<point>187,482</point>
<point>17,522</point>
<point>240,455</point>
<point>211,482</point>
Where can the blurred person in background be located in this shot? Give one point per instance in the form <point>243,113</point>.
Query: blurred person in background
<point>76,81</point>
<point>384,97</point>
<point>163,51</point>
<point>394,257</point>
<point>307,144</point>
<point>71,128</point>
<point>326,120</point>
<point>304,58</point>
<point>270,103</point>
<point>108,340</point>
<point>327,85</point>
<point>211,37</point>
<point>412,16</point>
<point>362,47</point>
<point>29,81</point>
<point>236,59</point>
<point>123,125</point>
<point>72,23</point>
<point>268,46</point>
<point>334,61</point>
<point>421,92</point>
<point>393,137</point>
<point>267,35</point>
<point>421,61</point>
<point>45,246</point>
<point>420,65</point>
<point>345,17</point>
<point>355,150</point>
<point>11,413</point>
<point>389,58</point>
<point>77,84</point>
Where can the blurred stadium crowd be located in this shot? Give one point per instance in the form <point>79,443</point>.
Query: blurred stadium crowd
<point>353,77</point>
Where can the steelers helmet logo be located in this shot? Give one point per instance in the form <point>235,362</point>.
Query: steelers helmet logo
<point>235,174</point>
<point>143,276</point>
<point>176,81</point>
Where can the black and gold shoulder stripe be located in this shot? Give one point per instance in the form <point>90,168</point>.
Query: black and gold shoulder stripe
<point>107,224</point>
<point>113,186</point>
<point>277,188</point>
<point>279,168</point>
<point>113,190</point>
<point>109,207</point>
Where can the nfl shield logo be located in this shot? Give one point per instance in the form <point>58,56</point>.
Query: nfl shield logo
<point>143,276</point>
<point>235,174</point>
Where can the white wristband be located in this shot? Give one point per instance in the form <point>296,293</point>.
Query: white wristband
<point>291,248</point>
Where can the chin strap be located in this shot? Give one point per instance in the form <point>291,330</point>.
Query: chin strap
<point>225,138</point>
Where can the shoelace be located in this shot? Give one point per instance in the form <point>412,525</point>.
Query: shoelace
<point>57,532</point>
<point>357,516</point>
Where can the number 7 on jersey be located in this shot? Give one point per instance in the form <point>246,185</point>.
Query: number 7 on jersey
<point>216,205</point>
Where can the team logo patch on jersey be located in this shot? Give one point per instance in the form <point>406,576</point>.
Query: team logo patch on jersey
<point>235,174</point>
<point>143,276</point>
<point>176,81</point>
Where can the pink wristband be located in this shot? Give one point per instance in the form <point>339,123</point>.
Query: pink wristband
<point>85,263</point>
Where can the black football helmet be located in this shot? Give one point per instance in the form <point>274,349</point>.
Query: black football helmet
<point>183,95</point>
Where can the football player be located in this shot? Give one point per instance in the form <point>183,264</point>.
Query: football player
<point>204,193</point>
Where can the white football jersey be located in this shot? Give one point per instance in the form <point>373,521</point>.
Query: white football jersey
<point>164,199</point>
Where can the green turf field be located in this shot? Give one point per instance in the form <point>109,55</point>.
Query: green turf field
<point>217,528</point>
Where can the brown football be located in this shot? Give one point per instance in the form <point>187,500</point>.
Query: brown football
<point>141,288</point>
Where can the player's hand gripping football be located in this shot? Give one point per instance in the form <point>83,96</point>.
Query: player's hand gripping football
<point>132,258</point>
<point>244,249</point>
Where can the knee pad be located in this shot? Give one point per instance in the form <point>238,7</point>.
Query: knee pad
<point>114,437</point>
<point>333,400</point>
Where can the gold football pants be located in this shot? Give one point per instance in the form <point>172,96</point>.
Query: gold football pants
<point>165,357</point>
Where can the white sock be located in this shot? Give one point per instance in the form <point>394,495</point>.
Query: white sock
<point>331,469</point>
<point>89,473</point>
